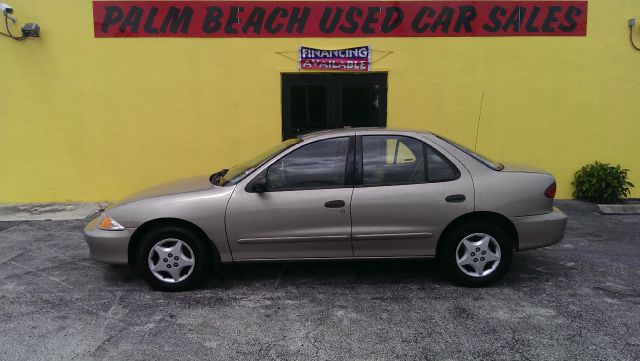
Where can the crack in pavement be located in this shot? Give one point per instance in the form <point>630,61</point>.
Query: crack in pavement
<point>10,226</point>
<point>12,257</point>
<point>41,274</point>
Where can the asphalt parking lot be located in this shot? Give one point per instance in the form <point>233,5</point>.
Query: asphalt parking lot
<point>579,299</point>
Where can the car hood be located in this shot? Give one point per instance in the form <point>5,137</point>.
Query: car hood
<point>185,185</point>
<point>522,168</point>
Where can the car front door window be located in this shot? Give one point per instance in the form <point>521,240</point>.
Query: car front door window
<point>321,164</point>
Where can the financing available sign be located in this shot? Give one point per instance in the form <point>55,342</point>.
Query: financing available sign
<point>351,59</point>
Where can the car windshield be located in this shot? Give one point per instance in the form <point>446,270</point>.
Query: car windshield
<point>236,173</point>
<point>479,157</point>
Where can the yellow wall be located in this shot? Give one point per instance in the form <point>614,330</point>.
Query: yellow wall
<point>95,119</point>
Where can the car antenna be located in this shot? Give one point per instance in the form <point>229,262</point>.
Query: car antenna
<point>475,145</point>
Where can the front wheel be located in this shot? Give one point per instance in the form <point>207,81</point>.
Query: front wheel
<point>172,259</point>
<point>476,254</point>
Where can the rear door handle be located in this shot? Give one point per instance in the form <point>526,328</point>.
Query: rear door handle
<point>335,204</point>
<point>456,198</point>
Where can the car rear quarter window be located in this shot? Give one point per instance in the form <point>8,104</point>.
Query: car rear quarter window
<point>439,168</point>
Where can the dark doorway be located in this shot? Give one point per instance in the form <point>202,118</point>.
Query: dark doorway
<point>320,101</point>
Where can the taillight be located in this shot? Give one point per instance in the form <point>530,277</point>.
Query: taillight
<point>550,192</point>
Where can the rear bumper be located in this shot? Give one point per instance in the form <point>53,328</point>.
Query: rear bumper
<point>108,246</point>
<point>540,230</point>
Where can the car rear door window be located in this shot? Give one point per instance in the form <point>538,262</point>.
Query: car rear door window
<point>321,164</point>
<point>388,160</point>
<point>392,160</point>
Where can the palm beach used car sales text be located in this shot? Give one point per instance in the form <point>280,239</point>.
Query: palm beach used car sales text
<point>338,19</point>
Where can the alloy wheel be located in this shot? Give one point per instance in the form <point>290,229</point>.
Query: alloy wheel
<point>478,255</point>
<point>171,260</point>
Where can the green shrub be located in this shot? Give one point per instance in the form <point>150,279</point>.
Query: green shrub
<point>601,183</point>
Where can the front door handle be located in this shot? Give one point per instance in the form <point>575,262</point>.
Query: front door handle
<point>335,204</point>
<point>456,198</point>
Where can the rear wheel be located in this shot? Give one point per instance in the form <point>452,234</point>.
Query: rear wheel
<point>172,259</point>
<point>476,254</point>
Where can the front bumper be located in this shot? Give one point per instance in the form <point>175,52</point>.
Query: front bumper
<point>540,230</point>
<point>108,246</point>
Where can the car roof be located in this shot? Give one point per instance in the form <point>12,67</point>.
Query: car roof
<point>348,130</point>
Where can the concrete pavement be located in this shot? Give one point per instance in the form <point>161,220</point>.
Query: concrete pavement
<point>10,212</point>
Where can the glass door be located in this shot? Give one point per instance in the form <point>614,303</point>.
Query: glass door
<point>320,101</point>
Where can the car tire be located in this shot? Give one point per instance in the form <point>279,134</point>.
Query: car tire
<point>173,258</point>
<point>476,254</point>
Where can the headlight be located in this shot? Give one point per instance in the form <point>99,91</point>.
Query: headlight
<point>105,223</point>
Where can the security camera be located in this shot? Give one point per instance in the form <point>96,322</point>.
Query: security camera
<point>31,30</point>
<point>6,8</point>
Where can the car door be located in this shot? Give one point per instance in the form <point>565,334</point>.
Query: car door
<point>406,192</point>
<point>304,212</point>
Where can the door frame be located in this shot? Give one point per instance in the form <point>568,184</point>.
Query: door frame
<point>332,80</point>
